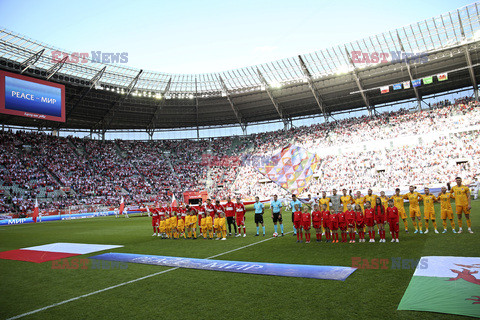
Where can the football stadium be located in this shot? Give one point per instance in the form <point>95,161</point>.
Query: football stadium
<point>304,184</point>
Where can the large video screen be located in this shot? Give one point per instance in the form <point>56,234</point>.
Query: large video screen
<point>32,98</point>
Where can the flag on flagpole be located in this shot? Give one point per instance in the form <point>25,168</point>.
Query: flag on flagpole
<point>174,203</point>
<point>427,80</point>
<point>385,89</point>
<point>416,83</point>
<point>35,211</point>
<point>397,86</point>
<point>406,84</point>
<point>442,76</point>
<point>122,206</point>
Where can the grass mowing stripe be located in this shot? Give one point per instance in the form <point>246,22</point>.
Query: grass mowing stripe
<point>128,282</point>
<point>89,294</point>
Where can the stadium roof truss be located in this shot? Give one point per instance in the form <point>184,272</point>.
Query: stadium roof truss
<point>116,97</point>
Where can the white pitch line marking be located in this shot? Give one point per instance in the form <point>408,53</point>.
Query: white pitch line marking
<point>130,281</point>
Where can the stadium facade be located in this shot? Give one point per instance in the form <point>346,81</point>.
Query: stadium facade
<point>104,97</point>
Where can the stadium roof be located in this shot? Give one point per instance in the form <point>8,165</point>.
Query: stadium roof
<point>113,96</point>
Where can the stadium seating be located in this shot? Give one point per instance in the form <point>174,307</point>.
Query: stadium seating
<point>34,164</point>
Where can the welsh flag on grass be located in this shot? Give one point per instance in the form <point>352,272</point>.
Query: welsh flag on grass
<point>445,285</point>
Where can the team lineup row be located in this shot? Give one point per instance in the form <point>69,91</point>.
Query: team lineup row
<point>327,215</point>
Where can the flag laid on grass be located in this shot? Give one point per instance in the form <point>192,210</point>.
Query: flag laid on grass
<point>54,251</point>
<point>261,268</point>
<point>445,285</point>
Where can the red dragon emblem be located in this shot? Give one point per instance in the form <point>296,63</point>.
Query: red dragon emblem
<point>467,275</point>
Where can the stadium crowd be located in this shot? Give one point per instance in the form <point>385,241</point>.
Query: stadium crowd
<point>73,171</point>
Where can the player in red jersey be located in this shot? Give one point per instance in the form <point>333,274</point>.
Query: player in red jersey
<point>360,222</point>
<point>350,218</point>
<point>317,222</point>
<point>370,221</point>
<point>392,218</point>
<point>326,222</point>
<point>210,210</point>
<point>183,211</point>
<point>240,211</point>
<point>380,218</point>
<point>230,215</point>
<point>297,222</point>
<point>306,223</point>
<point>218,211</point>
<point>155,222</point>
<point>342,225</point>
<point>334,227</point>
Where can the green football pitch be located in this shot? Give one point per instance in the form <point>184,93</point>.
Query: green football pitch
<point>110,293</point>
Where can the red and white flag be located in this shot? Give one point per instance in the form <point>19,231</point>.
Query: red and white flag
<point>122,207</point>
<point>174,202</point>
<point>35,211</point>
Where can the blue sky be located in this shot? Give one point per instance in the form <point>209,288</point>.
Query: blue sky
<point>208,36</point>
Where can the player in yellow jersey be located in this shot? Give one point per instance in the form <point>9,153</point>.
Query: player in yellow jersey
<point>346,199</point>
<point>370,197</point>
<point>168,225</point>
<point>429,209</point>
<point>324,200</point>
<point>216,225</point>
<point>222,226</point>
<point>446,209</point>
<point>414,209</point>
<point>181,226</point>
<point>203,225</point>
<point>360,200</point>
<point>188,232</point>
<point>463,203</point>
<point>161,226</point>
<point>192,226</point>
<point>207,229</point>
<point>384,199</point>
<point>173,225</point>
<point>398,203</point>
